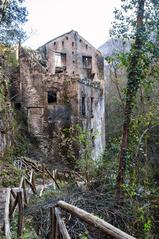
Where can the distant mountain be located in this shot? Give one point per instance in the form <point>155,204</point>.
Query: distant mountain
<point>113,46</point>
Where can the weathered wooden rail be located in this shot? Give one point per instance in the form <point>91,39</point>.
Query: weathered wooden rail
<point>58,226</point>
<point>18,199</point>
<point>57,223</point>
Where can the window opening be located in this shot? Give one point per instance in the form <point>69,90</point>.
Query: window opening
<point>92,99</point>
<point>52,97</point>
<point>92,138</point>
<point>87,62</point>
<point>83,106</point>
<point>60,62</point>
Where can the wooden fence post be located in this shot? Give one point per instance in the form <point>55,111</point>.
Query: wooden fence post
<point>61,225</point>
<point>13,206</point>
<point>21,182</point>
<point>33,183</point>
<point>30,179</point>
<point>43,174</point>
<point>13,193</point>
<point>53,224</point>
<point>6,217</point>
<point>54,176</point>
<point>25,193</point>
<point>20,214</point>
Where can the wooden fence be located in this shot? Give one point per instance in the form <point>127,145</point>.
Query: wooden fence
<point>58,226</point>
<point>18,198</point>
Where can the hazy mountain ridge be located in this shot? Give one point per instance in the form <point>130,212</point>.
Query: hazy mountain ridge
<point>113,46</point>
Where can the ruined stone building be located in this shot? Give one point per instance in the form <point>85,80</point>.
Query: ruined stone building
<point>61,85</point>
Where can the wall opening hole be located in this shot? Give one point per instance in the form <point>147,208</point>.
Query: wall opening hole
<point>87,62</point>
<point>92,102</point>
<point>60,62</point>
<point>92,138</point>
<point>51,97</point>
<point>17,105</point>
<point>83,106</point>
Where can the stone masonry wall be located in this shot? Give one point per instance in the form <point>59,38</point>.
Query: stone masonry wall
<point>75,47</point>
<point>46,119</point>
<point>53,97</point>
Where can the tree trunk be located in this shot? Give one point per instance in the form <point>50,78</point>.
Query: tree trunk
<point>134,76</point>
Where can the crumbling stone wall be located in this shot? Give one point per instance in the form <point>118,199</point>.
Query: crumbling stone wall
<point>94,119</point>
<point>54,97</point>
<point>46,119</point>
<point>75,47</point>
<point>87,63</point>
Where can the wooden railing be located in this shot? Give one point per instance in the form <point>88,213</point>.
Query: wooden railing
<point>54,174</point>
<point>58,226</point>
<point>18,198</point>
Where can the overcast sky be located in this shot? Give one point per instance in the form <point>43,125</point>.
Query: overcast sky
<point>51,18</point>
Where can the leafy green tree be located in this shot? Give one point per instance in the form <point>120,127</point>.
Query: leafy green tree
<point>137,21</point>
<point>12,15</point>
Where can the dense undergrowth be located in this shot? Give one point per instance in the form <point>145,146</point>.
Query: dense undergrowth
<point>9,174</point>
<point>135,213</point>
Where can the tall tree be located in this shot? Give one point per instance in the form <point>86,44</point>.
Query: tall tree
<point>12,15</point>
<point>138,21</point>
